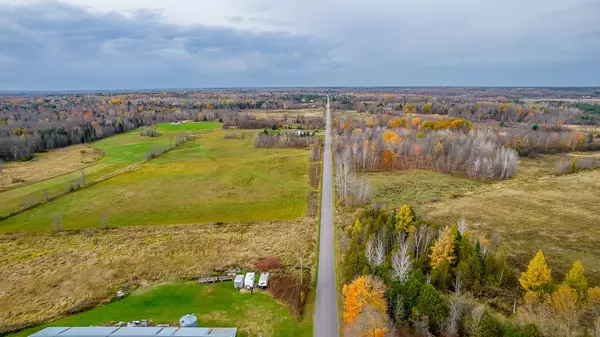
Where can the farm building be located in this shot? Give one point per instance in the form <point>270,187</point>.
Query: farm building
<point>249,280</point>
<point>238,282</point>
<point>104,331</point>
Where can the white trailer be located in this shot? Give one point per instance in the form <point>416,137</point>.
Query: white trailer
<point>249,280</point>
<point>263,280</point>
<point>238,282</point>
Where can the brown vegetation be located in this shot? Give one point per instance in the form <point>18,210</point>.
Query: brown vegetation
<point>45,276</point>
<point>48,165</point>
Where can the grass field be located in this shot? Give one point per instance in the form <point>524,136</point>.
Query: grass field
<point>47,276</point>
<point>534,210</point>
<point>120,151</point>
<point>48,165</point>
<point>215,305</point>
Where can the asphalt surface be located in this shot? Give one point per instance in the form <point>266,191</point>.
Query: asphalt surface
<point>326,311</point>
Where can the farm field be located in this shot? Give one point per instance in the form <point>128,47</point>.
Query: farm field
<point>215,305</point>
<point>534,210</point>
<point>48,165</point>
<point>209,179</point>
<point>48,276</point>
<point>120,151</point>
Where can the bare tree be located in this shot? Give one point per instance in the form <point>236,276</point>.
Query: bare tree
<point>15,151</point>
<point>422,238</point>
<point>56,222</point>
<point>453,321</point>
<point>375,250</point>
<point>462,225</point>
<point>401,264</point>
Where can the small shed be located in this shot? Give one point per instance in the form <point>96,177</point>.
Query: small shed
<point>249,280</point>
<point>238,282</point>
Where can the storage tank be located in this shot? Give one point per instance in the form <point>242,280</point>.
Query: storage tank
<point>188,321</point>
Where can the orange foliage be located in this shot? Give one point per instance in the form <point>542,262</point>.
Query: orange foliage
<point>352,301</point>
<point>371,122</point>
<point>416,121</point>
<point>140,109</point>
<point>388,158</point>
<point>88,115</point>
<point>347,125</point>
<point>391,136</point>
<point>580,139</point>
<point>395,123</point>
<point>417,150</point>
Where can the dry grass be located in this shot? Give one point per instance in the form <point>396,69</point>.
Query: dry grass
<point>536,209</point>
<point>291,114</point>
<point>48,165</point>
<point>47,276</point>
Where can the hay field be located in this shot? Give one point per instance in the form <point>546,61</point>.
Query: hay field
<point>209,179</point>
<point>534,210</point>
<point>46,276</point>
<point>120,151</point>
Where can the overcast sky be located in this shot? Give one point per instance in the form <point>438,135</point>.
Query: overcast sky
<point>135,44</point>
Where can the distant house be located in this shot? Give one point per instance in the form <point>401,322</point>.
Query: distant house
<point>299,132</point>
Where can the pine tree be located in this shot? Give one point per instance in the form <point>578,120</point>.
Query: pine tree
<point>537,275</point>
<point>576,280</point>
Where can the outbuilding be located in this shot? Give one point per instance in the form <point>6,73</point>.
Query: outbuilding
<point>238,282</point>
<point>249,280</point>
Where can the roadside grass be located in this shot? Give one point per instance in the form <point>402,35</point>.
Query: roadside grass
<point>46,277</point>
<point>209,179</point>
<point>536,209</point>
<point>215,305</point>
<point>119,151</point>
<point>47,165</point>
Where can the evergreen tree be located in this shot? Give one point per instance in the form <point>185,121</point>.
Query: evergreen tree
<point>576,280</point>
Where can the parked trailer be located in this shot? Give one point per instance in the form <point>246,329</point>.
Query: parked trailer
<point>263,280</point>
<point>249,280</point>
<point>238,282</point>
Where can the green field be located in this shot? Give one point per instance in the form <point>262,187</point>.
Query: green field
<point>215,305</point>
<point>120,151</point>
<point>534,210</point>
<point>210,179</point>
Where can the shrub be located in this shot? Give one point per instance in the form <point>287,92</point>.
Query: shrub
<point>268,263</point>
<point>150,131</point>
<point>289,290</point>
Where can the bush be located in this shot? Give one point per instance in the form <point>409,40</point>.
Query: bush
<point>150,131</point>
<point>268,263</point>
<point>289,290</point>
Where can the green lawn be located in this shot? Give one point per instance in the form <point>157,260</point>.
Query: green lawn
<point>120,151</point>
<point>210,179</point>
<point>216,305</point>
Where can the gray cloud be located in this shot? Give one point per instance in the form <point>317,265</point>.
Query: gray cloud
<point>52,45</point>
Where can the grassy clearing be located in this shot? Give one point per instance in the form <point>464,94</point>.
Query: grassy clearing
<point>291,114</point>
<point>46,276</point>
<point>207,180</point>
<point>119,151</point>
<point>534,210</point>
<point>216,305</point>
<point>48,165</point>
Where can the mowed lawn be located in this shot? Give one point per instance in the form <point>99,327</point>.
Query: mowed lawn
<point>120,151</point>
<point>215,305</point>
<point>534,210</point>
<point>210,179</point>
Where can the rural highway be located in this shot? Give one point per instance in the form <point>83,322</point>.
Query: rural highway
<point>326,311</point>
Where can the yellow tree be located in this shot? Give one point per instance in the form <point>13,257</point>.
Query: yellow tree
<point>352,303</point>
<point>563,303</point>
<point>443,249</point>
<point>405,219</point>
<point>537,274</point>
<point>576,280</point>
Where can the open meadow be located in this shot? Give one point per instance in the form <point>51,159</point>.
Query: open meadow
<point>215,305</point>
<point>120,152</point>
<point>536,209</point>
<point>209,179</point>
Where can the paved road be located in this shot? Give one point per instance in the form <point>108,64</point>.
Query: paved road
<point>326,312</point>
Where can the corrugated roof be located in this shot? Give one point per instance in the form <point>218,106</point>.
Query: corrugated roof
<point>134,332</point>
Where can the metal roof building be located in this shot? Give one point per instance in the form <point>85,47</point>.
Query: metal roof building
<point>103,331</point>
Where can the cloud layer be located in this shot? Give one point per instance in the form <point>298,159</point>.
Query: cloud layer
<point>155,44</point>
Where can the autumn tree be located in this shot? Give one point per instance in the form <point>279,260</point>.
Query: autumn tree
<point>564,305</point>
<point>405,219</point>
<point>443,249</point>
<point>537,275</point>
<point>576,280</point>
